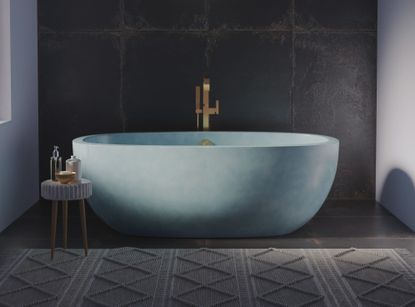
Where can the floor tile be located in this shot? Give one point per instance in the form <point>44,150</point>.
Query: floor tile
<point>343,224</point>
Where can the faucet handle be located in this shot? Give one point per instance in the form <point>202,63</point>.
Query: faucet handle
<point>217,107</point>
<point>206,84</point>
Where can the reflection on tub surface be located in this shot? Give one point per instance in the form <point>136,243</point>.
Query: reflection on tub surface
<point>247,184</point>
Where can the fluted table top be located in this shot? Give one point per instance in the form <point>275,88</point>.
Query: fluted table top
<point>53,190</point>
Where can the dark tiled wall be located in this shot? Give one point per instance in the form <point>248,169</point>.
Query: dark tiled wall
<point>276,65</point>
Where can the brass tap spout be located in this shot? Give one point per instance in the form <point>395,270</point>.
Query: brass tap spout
<point>207,110</point>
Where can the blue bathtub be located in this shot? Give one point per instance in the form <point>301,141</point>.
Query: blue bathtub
<point>248,184</point>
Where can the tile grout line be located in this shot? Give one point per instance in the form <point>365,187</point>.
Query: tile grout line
<point>144,30</point>
<point>293,63</point>
<point>207,38</point>
<point>122,64</point>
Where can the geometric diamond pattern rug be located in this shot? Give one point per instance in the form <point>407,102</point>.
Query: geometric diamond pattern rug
<point>208,277</point>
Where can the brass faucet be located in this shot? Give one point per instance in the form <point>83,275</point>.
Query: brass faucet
<point>206,111</point>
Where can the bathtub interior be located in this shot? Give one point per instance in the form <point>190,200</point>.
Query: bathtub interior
<point>249,139</point>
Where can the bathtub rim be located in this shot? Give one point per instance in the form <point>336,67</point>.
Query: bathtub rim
<point>328,140</point>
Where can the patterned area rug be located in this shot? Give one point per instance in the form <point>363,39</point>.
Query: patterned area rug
<point>208,277</point>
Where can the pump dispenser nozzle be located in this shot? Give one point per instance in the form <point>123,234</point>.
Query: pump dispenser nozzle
<point>55,153</point>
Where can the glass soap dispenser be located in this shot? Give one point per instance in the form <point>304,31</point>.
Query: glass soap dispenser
<point>55,163</point>
<point>74,165</point>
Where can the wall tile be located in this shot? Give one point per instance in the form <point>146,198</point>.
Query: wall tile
<point>79,83</point>
<point>251,76</point>
<point>335,94</point>
<point>165,14</point>
<point>160,73</point>
<point>78,15</point>
<point>336,15</point>
<point>250,14</point>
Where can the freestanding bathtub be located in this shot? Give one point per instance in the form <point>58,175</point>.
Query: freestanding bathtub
<point>248,184</point>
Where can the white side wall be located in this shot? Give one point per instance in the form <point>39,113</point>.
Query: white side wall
<point>395,167</point>
<point>5,67</point>
<point>19,183</point>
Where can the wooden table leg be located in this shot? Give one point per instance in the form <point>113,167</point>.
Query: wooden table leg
<point>83,226</point>
<point>65,223</point>
<point>53,228</point>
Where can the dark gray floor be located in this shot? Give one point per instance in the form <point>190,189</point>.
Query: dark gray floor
<point>362,224</point>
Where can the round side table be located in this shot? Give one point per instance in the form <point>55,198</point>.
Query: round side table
<point>55,191</point>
